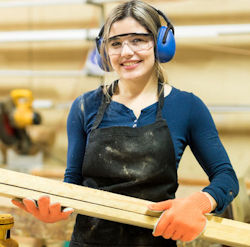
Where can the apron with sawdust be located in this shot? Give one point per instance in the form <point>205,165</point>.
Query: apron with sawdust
<point>137,162</point>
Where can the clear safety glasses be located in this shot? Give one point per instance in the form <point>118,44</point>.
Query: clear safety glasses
<point>135,41</point>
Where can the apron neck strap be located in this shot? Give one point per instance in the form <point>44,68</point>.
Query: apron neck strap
<point>160,101</point>
<point>106,101</point>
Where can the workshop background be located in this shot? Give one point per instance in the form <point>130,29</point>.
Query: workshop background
<point>47,47</point>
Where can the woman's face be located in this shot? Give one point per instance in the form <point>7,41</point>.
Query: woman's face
<point>131,56</point>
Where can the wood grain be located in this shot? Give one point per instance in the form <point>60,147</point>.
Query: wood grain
<point>112,206</point>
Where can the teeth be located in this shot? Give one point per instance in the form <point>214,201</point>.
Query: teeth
<point>129,63</point>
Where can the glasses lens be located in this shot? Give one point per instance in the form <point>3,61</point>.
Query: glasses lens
<point>135,41</point>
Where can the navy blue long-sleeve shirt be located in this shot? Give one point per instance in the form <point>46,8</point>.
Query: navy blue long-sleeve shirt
<point>189,122</point>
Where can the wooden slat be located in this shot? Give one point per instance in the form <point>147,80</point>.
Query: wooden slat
<point>87,15</point>
<point>37,185</point>
<point>111,206</point>
<point>43,17</point>
<point>234,233</point>
<point>86,208</point>
<point>58,89</point>
<point>196,12</point>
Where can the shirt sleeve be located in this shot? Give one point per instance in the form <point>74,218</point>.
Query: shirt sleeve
<point>206,146</point>
<point>76,142</point>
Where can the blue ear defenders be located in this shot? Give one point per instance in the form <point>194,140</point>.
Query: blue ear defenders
<point>165,47</point>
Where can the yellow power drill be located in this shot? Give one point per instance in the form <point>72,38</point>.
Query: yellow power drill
<point>23,115</point>
<point>16,113</point>
<point>6,223</point>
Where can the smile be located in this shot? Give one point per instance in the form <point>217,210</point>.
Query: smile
<point>130,63</point>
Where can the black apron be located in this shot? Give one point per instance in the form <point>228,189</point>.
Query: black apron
<point>138,162</point>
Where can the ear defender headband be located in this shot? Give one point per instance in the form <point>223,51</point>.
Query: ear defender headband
<point>165,47</point>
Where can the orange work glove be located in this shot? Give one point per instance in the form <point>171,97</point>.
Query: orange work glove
<point>45,211</point>
<point>182,219</point>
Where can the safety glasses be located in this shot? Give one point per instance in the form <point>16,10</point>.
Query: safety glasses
<point>135,41</point>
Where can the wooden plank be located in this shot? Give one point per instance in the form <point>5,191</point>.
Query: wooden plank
<point>43,17</point>
<point>57,89</point>
<point>14,184</point>
<point>196,12</point>
<point>112,206</point>
<point>234,233</point>
<point>87,208</point>
<point>181,12</point>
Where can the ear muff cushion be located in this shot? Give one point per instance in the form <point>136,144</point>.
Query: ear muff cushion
<point>99,60</point>
<point>165,50</point>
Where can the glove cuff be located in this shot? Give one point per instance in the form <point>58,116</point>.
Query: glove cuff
<point>202,201</point>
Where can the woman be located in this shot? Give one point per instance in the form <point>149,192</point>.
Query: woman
<point>129,137</point>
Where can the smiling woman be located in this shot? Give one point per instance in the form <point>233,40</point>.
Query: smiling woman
<point>131,53</point>
<point>128,137</point>
<point>145,18</point>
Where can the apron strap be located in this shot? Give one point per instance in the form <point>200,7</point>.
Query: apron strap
<point>105,102</point>
<point>160,101</point>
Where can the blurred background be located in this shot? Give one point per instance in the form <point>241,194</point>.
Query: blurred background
<point>46,61</point>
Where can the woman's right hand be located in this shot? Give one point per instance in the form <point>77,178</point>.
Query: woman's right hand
<point>43,210</point>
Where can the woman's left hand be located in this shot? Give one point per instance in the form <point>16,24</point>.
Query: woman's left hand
<point>182,219</point>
